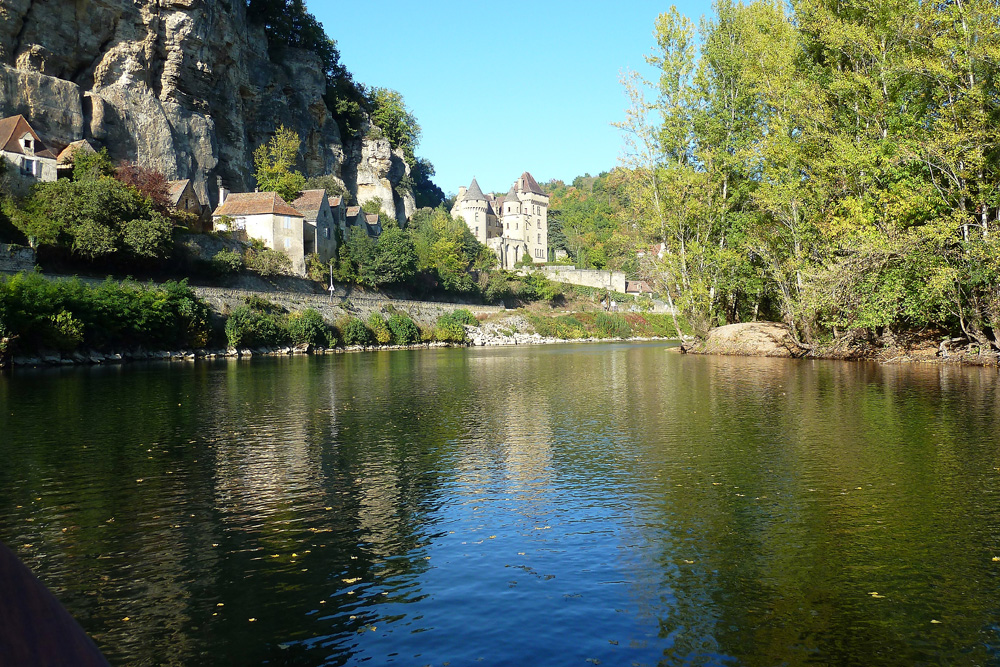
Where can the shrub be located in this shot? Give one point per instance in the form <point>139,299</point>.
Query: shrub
<point>250,328</point>
<point>379,329</point>
<point>308,327</point>
<point>227,262</point>
<point>450,329</point>
<point>316,268</point>
<point>611,325</point>
<point>66,331</point>
<point>404,330</point>
<point>266,262</point>
<point>355,332</point>
<point>463,316</point>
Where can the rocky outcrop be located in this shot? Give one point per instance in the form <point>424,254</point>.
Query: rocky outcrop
<point>749,339</point>
<point>188,87</point>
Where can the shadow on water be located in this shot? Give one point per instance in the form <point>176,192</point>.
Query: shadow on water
<point>614,503</point>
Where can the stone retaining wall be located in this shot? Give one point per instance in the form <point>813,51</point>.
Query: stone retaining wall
<point>422,312</point>
<point>14,258</point>
<point>610,280</point>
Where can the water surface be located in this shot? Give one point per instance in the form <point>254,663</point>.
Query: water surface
<point>557,505</point>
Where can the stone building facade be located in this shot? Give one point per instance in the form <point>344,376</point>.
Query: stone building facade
<point>513,225</point>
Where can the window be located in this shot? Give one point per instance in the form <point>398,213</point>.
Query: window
<point>539,238</point>
<point>477,231</point>
<point>288,243</point>
<point>288,222</point>
<point>27,143</point>
<point>29,167</point>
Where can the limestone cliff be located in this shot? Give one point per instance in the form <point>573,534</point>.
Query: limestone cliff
<point>185,86</point>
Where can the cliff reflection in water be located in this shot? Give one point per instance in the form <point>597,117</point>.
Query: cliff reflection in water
<point>604,502</point>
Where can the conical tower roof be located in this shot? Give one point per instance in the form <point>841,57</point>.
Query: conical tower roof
<point>475,192</point>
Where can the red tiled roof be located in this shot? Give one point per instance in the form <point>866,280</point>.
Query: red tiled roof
<point>15,127</point>
<point>371,218</point>
<point>66,155</point>
<point>527,183</point>
<point>637,287</point>
<point>352,211</point>
<point>309,201</point>
<point>255,203</point>
<point>334,201</point>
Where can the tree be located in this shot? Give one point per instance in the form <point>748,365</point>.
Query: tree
<point>150,182</point>
<point>273,164</point>
<point>394,260</point>
<point>400,126</point>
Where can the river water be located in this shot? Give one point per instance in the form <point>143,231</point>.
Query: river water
<point>615,504</point>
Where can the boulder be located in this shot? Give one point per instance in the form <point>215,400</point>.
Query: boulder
<point>749,339</point>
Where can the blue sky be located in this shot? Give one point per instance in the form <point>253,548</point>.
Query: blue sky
<point>500,88</point>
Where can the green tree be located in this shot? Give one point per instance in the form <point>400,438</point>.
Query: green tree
<point>390,114</point>
<point>274,162</point>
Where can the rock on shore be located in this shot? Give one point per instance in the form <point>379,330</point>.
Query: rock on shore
<point>748,339</point>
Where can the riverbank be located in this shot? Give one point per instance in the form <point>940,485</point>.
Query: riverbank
<point>774,339</point>
<point>91,358</point>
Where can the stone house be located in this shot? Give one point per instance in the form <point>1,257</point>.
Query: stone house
<point>183,198</point>
<point>319,224</point>
<point>24,151</point>
<point>339,210</point>
<point>267,217</point>
<point>513,225</point>
<point>371,223</point>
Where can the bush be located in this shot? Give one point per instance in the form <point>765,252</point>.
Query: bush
<point>66,331</point>
<point>354,332</point>
<point>66,313</point>
<point>463,316</point>
<point>450,329</point>
<point>308,327</point>
<point>227,262</point>
<point>250,328</point>
<point>611,325</point>
<point>266,262</point>
<point>404,330</point>
<point>379,329</point>
<point>316,268</point>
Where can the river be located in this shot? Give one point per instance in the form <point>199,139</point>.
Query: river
<point>582,504</point>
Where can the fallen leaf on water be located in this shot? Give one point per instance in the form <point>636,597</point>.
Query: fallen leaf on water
<point>875,594</point>
<point>221,604</point>
<point>353,580</point>
<point>252,620</point>
<point>996,559</point>
<point>126,618</point>
<point>935,621</point>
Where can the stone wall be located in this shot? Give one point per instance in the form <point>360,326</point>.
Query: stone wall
<point>14,258</point>
<point>610,280</point>
<point>422,312</point>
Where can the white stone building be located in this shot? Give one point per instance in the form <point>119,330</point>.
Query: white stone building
<point>267,217</point>
<point>24,151</point>
<point>514,225</point>
<point>318,225</point>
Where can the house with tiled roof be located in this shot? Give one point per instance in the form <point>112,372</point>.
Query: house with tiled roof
<point>64,161</point>
<point>513,225</point>
<point>267,217</point>
<point>319,224</point>
<point>24,150</point>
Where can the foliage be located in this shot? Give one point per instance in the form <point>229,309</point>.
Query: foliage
<point>463,316</point>
<point>504,286</point>
<point>373,206</point>
<point>445,249</point>
<point>827,164</point>
<point>316,268</point>
<point>354,332</point>
<point>379,329</point>
<point>334,187</point>
<point>227,262</point>
<point>404,330</point>
<point>611,325</point>
<point>87,166</point>
<point>309,327</point>
<point>96,216</point>
<point>274,162</point>
<point>266,262</point>
<point>247,327</point>
<point>151,183</point>
<point>449,328</point>
<point>400,126</point>
<point>425,192</point>
<point>67,313</point>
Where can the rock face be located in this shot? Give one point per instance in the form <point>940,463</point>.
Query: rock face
<point>185,86</point>
<point>749,339</point>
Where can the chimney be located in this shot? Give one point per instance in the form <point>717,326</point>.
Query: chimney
<point>223,193</point>
<point>461,191</point>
